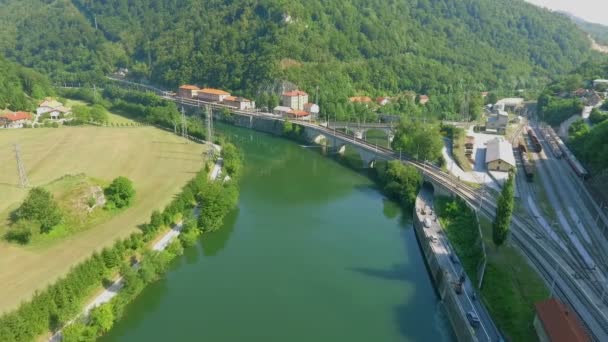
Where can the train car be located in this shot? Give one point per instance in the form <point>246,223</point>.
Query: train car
<point>576,166</point>
<point>536,146</point>
<point>529,169</point>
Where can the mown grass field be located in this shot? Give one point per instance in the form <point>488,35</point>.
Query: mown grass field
<point>158,162</point>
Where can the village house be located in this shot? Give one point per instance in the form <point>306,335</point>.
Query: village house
<point>383,100</point>
<point>600,82</point>
<point>511,104</point>
<point>423,99</point>
<point>294,99</point>
<point>499,155</point>
<point>553,322</point>
<point>188,91</point>
<point>498,120</point>
<point>298,114</point>
<point>53,108</point>
<point>15,120</point>
<point>312,108</point>
<point>281,110</point>
<point>212,95</point>
<point>239,103</point>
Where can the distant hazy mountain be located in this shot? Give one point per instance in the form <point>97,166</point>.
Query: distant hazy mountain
<point>598,32</point>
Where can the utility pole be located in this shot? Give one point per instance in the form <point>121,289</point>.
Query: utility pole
<point>21,168</point>
<point>95,18</point>
<point>210,130</point>
<point>184,124</point>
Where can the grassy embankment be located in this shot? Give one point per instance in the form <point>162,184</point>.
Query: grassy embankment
<point>157,162</point>
<point>511,286</point>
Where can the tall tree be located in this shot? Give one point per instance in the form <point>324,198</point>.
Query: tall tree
<point>504,210</point>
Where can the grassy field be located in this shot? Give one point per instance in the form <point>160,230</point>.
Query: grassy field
<point>112,117</point>
<point>158,162</point>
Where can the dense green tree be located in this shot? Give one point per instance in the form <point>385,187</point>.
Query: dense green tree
<point>401,182</point>
<point>120,192</point>
<point>102,317</point>
<point>597,116</point>
<point>40,206</point>
<point>419,140</point>
<point>504,210</point>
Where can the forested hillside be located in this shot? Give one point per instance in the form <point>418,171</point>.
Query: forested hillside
<point>346,47</point>
<point>20,86</point>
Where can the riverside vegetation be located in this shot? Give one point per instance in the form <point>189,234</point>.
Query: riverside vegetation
<point>53,307</point>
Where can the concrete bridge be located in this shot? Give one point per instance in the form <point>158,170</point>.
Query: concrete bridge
<point>360,130</point>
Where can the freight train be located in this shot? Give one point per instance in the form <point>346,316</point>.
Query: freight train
<point>536,146</point>
<point>576,166</point>
<point>528,164</point>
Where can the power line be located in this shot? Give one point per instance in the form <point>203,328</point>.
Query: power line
<point>21,168</point>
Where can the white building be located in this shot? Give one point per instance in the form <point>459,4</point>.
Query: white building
<point>54,108</point>
<point>600,82</point>
<point>499,155</point>
<point>511,103</point>
<point>212,95</point>
<point>294,99</point>
<point>15,120</point>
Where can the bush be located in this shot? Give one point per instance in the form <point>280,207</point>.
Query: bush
<point>120,192</point>
<point>40,206</point>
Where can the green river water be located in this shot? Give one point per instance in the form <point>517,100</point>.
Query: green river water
<point>314,252</point>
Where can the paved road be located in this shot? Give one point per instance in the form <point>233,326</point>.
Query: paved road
<point>442,248</point>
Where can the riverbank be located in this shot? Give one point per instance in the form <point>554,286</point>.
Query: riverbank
<point>112,290</point>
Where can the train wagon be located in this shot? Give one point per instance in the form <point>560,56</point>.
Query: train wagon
<point>536,146</point>
<point>528,164</point>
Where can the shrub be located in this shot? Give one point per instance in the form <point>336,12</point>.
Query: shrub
<point>120,192</point>
<point>40,206</point>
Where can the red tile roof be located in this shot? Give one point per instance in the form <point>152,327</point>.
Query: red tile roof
<point>213,91</point>
<point>295,93</point>
<point>188,87</point>
<point>296,112</point>
<point>16,116</point>
<point>559,323</point>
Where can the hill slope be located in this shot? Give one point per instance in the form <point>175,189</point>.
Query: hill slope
<point>345,47</point>
<point>18,85</point>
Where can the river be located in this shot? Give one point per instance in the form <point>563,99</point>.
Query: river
<point>314,252</point>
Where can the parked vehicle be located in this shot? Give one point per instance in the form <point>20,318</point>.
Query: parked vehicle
<point>473,319</point>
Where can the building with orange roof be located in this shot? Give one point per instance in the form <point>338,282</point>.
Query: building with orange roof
<point>556,323</point>
<point>212,95</point>
<point>423,99</point>
<point>295,99</point>
<point>188,91</point>
<point>298,114</point>
<point>15,119</point>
